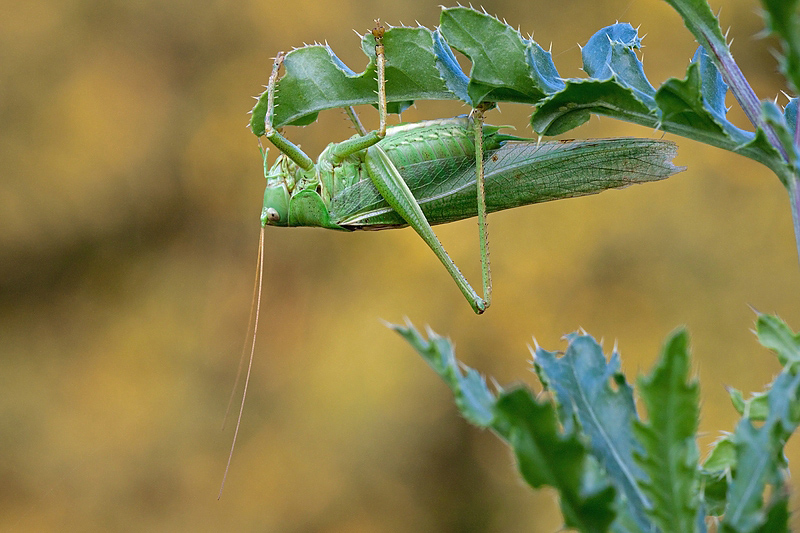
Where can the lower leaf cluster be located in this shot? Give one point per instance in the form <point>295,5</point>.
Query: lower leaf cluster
<point>615,471</point>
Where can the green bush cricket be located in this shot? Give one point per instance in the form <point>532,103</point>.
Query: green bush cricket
<point>441,171</point>
<point>434,172</point>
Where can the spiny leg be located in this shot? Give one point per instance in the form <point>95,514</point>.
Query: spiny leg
<point>393,188</point>
<point>380,62</point>
<point>351,146</point>
<point>483,224</point>
<point>395,191</point>
<point>351,114</point>
<point>282,143</point>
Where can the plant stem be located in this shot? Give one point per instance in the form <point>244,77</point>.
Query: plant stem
<point>794,199</point>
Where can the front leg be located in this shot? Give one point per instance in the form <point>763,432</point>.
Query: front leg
<point>343,149</point>
<point>282,143</point>
<point>351,146</point>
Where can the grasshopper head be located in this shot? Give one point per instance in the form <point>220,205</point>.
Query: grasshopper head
<point>276,196</point>
<point>276,205</point>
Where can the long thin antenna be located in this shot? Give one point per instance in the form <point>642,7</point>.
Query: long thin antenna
<point>247,341</point>
<point>259,283</point>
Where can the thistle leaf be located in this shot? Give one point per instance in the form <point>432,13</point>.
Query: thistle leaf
<point>316,79</point>
<point>505,66</point>
<point>473,397</point>
<point>759,450</point>
<point>773,333</point>
<point>581,380</point>
<point>783,20</point>
<point>545,454</point>
<point>670,459</point>
<point>759,454</point>
<point>610,54</point>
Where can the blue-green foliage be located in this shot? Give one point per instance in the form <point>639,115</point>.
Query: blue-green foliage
<point>614,471</point>
<point>581,381</point>
<point>775,334</point>
<point>758,459</point>
<point>546,455</point>
<point>506,67</point>
<point>473,397</point>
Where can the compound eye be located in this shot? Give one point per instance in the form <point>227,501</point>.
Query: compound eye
<point>273,215</point>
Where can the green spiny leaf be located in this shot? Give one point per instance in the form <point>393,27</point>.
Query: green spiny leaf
<point>581,381</point>
<point>715,473</point>
<point>782,19</point>
<point>756,451</point>
<point>697,102</point>
<point>712,86</point>
<point>448,66</point>
<point>575,104</point>
<point>756,408</point>
<point>547,457</point>
<point>773,333</point>
<point>693,107</point>
<point>790,114</point>
<point>777,513</point>
<point>701,22</point>
<point>759,456</point>
<point>759,451</point>
<point>722,456</point>
<point>473,397</point>
<point>776,119</point>
<point>500,58</point>
<point>609,54</point>
<point>670,459</point>
<point>715,490</point>
<point>316,79</point>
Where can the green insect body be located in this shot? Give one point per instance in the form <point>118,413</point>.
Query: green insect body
<point>344,195</point>
<point>440,171</point>
<point>436,159</point>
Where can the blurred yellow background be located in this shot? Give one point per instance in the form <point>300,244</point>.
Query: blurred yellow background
<point>129,207</point>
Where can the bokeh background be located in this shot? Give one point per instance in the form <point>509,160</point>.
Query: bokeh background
<point>130,196</point>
